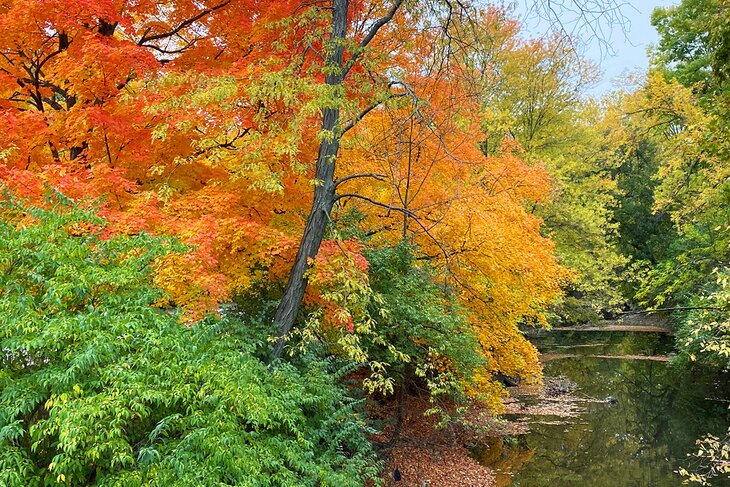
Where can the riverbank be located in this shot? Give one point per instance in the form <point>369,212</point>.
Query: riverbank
<point>625,409</point>
<point>609,397</point>
<point>454,456</point>
<point>422,455</point>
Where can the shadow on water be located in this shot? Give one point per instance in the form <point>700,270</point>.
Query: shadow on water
<point>639,441</point>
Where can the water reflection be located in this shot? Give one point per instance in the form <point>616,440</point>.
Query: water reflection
<point>638,442</point>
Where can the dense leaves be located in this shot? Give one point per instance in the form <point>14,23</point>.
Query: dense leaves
<point>425,324</point>
<point>99,387</point>
<point>397,186</point>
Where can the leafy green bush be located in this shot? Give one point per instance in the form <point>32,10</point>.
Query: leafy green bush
<point>705,333</point>
<point>423,322</point>
<point>99,387</point>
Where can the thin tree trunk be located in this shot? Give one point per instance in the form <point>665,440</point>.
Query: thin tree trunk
<point>669,310</point>
<point>324,192</point>
<point>400,413</point>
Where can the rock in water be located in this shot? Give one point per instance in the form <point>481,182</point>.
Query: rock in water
<point>558,386</point>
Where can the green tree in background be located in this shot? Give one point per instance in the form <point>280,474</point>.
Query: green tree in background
<point>683,113</point>
<point>694,42</point>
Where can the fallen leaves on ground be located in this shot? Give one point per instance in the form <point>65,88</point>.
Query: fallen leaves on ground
<point>430,457</point>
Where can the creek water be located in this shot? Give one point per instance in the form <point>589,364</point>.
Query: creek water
<point>640,439</point>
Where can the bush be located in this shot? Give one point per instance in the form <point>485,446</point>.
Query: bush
<point>423,322</point>
<point>99,387</point>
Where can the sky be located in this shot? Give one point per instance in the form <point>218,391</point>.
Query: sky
<point>616,53</point>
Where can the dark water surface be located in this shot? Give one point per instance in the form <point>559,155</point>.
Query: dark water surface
<point>640,441</point>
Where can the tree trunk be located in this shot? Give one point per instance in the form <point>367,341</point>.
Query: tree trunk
<point>324,192</point>
<point>400,412</point>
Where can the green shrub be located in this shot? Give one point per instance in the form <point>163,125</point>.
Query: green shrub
<point>99,387</point>
<point>423,322</point>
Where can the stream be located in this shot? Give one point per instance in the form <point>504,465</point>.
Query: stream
<point>639,437</point>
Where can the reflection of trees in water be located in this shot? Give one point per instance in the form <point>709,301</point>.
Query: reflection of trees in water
<point>606,343</point>
<point>659,413</point>
<point>505,456</point>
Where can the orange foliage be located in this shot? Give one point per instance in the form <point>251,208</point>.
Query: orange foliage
<point>198,119</point>
<point>97,100</point>
<point>467,212</point>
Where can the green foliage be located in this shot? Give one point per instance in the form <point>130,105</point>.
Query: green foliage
<point>579,217</point>
<point>685,275</point>
<point>694,42</point>
<point>683,46</point>
<point>643,234</point>
<point>712,459</point>
<point>677,151</point>
<point>421,321</point>
<point>573,309</point>
<point>705,334</point>
<point>99,387</point>
<point>396,322</point>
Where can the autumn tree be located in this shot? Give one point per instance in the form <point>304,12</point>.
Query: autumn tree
<point>106,101</point>
<point>538,97</point>
<point>248,129</point>
<point>332,130</point>
<point>454,23</point>
<point>431,186</point>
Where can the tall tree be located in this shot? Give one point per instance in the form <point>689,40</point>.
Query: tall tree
<point>332,130</point>
<point>539,98</point>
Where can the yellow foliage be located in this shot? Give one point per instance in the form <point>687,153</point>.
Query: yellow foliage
<point>468,214</point>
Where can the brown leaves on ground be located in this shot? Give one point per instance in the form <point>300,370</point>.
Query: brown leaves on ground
<point>445,457</point>
<point>437,465</point>
<point>428,456</point>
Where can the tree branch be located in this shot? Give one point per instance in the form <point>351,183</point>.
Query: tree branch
<point>374,29</point>
<point>379,177</point>
<point>376,203</point>
<point>181,25</point>
<point>375,105</point>
<point>679,308</point>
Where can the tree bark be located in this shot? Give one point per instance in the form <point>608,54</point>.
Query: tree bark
<point>324,192</point>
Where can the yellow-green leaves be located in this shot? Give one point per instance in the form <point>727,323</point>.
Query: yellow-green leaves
<point>105,386</point>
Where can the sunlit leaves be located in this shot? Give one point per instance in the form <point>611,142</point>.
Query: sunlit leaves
<point>98,386</point>
<point>464,211</point>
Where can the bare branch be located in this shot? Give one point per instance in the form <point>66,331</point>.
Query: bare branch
<point>585,19</point>
<point>376,104</point>
<point>186,23</point>
<point>379,177</point>
<point>377,203</point>
<point>374,29</point>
